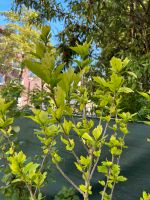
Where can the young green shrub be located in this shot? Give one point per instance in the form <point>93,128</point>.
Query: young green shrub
<point>58,121</point>
<point>27,172</point>
<point>8,143</point>
<point>21,178</point>
<point>11,92</point>
<point>39,97</point>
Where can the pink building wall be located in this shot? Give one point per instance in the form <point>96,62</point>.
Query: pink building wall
<point>29,82</point>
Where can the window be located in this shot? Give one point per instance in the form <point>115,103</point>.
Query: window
<point>1,79</point>
<point>31,74</point>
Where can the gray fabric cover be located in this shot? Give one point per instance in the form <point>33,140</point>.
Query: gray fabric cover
<point>135,162</point>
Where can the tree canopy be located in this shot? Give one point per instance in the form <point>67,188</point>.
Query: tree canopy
<point>18,38</point>
<point>118,28</point>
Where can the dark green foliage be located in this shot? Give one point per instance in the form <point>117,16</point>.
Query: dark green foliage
<point>48,9</point>
<point>66,194</point>
<point>11,91</point>
<point>39,98</point>
<point>15,191</point>
<point>118,28</point>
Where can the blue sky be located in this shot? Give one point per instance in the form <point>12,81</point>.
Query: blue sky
<point>4,6</point>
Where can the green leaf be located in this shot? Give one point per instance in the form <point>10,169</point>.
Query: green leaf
<point>97,153</point>
<point>148,123</point>
<point>116,82</point>
<point>146,196</point>
<point>38,178</point>
<point>116,64</point>
<point>114,141</point>
<point>102,169</point>
<point>83,63</point>
<point>4,106</point>
<point>148,117</point>
<point>67,79</point>
<point>64,140</point>
<point>43,116</point>
<point>32,170</point>
<point>121,178</point>
<point>85,189</point>
<point>102,183</point>
<point>110,185</point>
<point>40,196</point>
<point>6,123</point>
<point>124,130</point>
<point>27,167</point>
<point>58,113</point>
<point>132,74</point>
<point>59,68</point>
<point>147,96</point>
<point>48,62</point>
<point>40,50</point>
<point>67,126</point>
<point>78,166</point>
<point>60,96</point>
<point>116,151</point>
<point>56,158</point>
<point>125,62</point>
<point>38,70</point>
<point>97,132</point>
<point>16,180</point>
<point>85,161</point>
<point>126,116</point>
<point>21,157</point>
<point>82,50</point>
<point>16,161</point>
<point>125,90</point>
<point>100,81</point>
<point>87,137</point>
<point>70,145</point>
<point>45,36</point>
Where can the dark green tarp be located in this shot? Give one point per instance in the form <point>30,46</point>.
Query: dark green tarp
<point>135,162</point>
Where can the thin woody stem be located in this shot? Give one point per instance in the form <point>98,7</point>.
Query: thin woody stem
<point>42,164</point>
<point>106,185</point>
<point>68,179</point>
<point>118,160</point>
<point>88,179</point>
<point>31,193</point>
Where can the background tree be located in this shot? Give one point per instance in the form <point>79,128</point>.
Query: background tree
<point>114,25</point>
<point>118,28</point>
<point>17,39</point>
